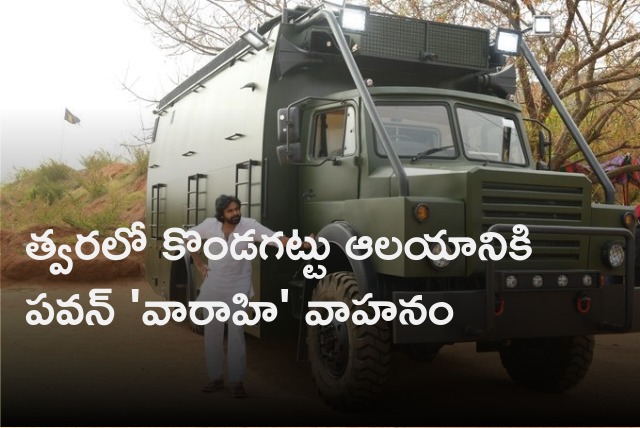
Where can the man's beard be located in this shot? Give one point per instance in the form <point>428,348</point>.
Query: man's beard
<point>233,220</point>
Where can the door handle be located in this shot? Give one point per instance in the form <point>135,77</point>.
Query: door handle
<point>308,194</point>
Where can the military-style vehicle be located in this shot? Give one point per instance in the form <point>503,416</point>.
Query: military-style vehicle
<point>355,124</point>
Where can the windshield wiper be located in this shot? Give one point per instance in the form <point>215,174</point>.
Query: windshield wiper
<point>429,152</point>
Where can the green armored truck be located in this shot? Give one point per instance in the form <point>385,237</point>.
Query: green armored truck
<point>370,129</point>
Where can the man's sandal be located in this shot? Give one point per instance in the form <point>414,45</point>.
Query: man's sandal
<point>238,391</point>
<point>213,386</point>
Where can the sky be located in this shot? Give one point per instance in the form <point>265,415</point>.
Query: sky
<point>74,54</point>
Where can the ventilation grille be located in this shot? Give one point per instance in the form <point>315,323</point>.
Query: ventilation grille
<point>411,39</point>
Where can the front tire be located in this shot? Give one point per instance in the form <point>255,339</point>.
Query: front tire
<point>551,364</point>
<point>349,362</point>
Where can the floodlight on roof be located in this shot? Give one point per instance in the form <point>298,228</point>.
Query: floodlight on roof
<point>508,41</point>
<point>255,40</point>
<point>354,18</point>
<point>543,25</point>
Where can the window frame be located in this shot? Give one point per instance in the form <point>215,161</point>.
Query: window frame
<point>377,146</point>
<point>313,140</point>
<point>504,115</point>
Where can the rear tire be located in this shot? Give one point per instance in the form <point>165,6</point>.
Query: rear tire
<point>551,364</point>
<point>349,362</point>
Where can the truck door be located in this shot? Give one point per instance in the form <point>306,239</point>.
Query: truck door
<point>333,172</point>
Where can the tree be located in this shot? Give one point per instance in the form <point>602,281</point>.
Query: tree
<point>202,26</point>
<point>593,62</point>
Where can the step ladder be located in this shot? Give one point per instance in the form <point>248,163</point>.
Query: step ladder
<point>196,209</point>
<point>157,209</point>
<point>247,181</point>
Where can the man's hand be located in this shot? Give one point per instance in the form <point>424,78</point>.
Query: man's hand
<point>203,269</point>
<point>307,245</point>
<point>200,265</point>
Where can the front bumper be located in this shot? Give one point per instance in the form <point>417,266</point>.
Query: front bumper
<point>498,313</point>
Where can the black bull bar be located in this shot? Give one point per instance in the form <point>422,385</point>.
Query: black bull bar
<point>560,230</point>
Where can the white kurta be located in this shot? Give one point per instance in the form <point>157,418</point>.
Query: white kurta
<point>226,278</point>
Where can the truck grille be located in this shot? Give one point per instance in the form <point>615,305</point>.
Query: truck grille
<point>545,204</point>
<point>522,203</point>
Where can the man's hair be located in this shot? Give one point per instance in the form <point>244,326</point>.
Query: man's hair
<point>222,203</point>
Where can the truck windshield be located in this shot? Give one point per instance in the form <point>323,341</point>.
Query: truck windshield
<point>417,131</point>
<point>490,137</point>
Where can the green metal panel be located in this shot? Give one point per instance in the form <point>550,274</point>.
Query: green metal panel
<point>394,217</point>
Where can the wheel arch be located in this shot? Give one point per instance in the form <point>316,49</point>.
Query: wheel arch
<point>337,234</point>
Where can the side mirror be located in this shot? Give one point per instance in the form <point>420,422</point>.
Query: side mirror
<point>289,153</point>
<point>288,125</point>
<point>542,144</point>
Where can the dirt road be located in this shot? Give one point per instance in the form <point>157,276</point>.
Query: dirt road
<point>131,374</point>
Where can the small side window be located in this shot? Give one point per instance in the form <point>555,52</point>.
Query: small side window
<point>335,134</point>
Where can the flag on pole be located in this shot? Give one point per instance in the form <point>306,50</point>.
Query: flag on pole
<point>70,117</point>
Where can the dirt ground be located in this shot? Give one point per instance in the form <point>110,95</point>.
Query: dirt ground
<point>129,374</point>
<point>17,265</point>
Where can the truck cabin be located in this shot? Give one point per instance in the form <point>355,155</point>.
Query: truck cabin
<point>414,81</point>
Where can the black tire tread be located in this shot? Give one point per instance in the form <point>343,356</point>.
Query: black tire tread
<point>369,351</point>
<point>561,370</point>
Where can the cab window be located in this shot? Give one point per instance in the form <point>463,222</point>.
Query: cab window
<point>334,133</point>
<point>490,136</point>
<point>417,131</point>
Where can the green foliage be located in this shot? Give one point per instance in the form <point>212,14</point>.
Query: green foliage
<point>90,199</point>
<point>139,157</point>
<point>96,183</point>
<point>53,170</point>
<point>51,181</point>
<point>105,220</point>
<point>98,160</point>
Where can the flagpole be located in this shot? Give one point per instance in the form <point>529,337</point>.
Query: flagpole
<point>61,142</point>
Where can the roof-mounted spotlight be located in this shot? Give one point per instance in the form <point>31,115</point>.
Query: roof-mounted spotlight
<point>354,18</point>
<point>255,40</point>
<point>508,41</point>
<point>543,25</point>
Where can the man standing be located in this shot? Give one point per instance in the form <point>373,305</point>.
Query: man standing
<point>222,280</point>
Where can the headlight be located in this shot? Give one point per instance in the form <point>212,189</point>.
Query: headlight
<point>442,263</point>
<point>613,254</point>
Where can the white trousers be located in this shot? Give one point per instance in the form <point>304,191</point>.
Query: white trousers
<point>214,350</point>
